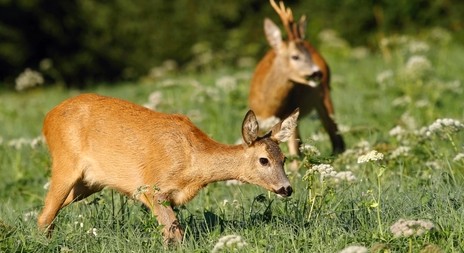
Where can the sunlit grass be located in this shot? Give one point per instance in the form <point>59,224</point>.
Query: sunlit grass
<point>405,162</point>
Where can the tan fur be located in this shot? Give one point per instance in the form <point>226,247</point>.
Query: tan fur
<point>277,87</point>
<point>98,142</point>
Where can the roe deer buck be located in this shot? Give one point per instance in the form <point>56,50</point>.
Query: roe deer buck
<point>98,142</point>
<point>293,75</point>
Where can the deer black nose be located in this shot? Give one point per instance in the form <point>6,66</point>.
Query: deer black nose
<point>315,76</point>
<point>285,191</point>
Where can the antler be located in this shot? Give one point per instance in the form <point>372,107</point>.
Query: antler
<point>286,16</point>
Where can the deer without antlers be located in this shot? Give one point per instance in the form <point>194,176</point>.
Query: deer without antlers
<point>293,75</point>
<point>98,142</point>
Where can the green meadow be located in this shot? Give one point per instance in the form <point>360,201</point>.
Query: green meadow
<point>399,187</point>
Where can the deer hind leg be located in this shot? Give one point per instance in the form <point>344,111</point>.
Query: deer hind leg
<point>60,187</point>
<point>172,230</point>
<point>326,113</point>
<point>80,191</point>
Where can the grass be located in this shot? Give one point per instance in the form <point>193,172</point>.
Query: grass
<point>383,102</point>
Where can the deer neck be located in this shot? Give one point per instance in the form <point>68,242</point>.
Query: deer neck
<point>220,162</point>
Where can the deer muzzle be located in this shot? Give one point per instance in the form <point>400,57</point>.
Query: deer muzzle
<point>285,191</point>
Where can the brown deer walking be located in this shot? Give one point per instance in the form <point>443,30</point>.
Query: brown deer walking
<point>98,142</point>
<point>293,75</point>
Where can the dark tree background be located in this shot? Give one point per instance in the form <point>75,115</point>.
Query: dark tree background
<point>90,41</point>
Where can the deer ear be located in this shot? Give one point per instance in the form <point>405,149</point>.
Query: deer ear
<point>250,128</point>
<point>273,35</point>
<point>302,27</point>
<point>284,129</point>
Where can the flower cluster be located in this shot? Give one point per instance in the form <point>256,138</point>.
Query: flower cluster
<point>400,151</point>
<point>309,149</point>
<point>154,99</point>
<point>20,142</point>
<point>227,83</point>
<point>92,232</point>
<point>140,191</point>
<point>32,215</point>
<point>407,228</point>
<point>417,66</point>
<point>325,170</point>
<point>384,77</point>
<point>417,46</point>
<point>371,156</point>
<point>344,176</point>
<point>459,157</point>
<point>442,126</point>
<point>28,79</point>
<point>230,242</point>
<point>354,249</point>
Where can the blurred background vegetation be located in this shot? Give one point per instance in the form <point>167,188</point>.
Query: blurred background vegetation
<point>78,43</point>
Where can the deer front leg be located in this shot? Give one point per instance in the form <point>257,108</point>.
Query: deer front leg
<point>294,149</point>
<point>172,230</point>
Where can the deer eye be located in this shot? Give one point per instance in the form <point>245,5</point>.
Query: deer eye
<point>264,161</point>
<point>295,57</point>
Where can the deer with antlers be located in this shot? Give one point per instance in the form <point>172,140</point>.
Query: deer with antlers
<point>293,74</point>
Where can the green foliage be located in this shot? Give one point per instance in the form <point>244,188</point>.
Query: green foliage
<point>404,101</point>
<point>87,42</point>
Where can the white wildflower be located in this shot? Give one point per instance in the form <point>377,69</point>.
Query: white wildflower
<point>422,103</point>
<point>92,231</point>
<point>347,176</point>
<point>343,128</point>
<point>318,136</point>
<point>417,66</point>
<point>400,151</point>
<point>28,79</point>
<point>226,83</point>
<point>309,149</point>
<point>140,191</point>
<point>229,242</point>
<point>354,249</point>
<point>440,35</point>
<point>384,77</point>
<point>160,71</point>
<point>407,228</point>
<point>325,170</point>
<point>442,126</point>
<point>454,86</point>
<point>46,185</point>
<point>65,249</point>
<point>459,157</point>
<point>397,131</point>
<point>18,143</point>
<point>154,99</point>
<point>32,215</point>
<point>435,165</point>
<point>37,141</point>
<point>401,101</point>
<point>371,156</point>
<point>408,121</point>
<point>417,46</point>
<point>233,182</point>
<point>363,144</point>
